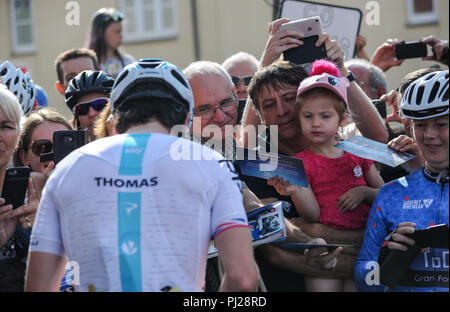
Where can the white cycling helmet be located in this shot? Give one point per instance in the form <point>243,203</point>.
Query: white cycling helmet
<point>427,97</point>
<point>174,86</point>
<point>19,84</point>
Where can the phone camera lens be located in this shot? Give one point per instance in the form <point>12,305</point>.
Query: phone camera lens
<point>67,139</point>
<point>317,20</point>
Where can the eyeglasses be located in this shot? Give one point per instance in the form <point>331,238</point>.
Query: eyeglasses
<point>40,147</point>
<point>236,80</point>
<point>82,109</point>
<point>225,106</point>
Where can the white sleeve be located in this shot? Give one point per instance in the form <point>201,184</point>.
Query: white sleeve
<point>228,209</point>
<point>46,235</point>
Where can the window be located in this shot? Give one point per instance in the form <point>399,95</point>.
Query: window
<point>22,26</point>
<point>149,19</point>
<point>421,12</point>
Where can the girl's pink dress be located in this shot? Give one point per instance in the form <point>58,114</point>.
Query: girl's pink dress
<point>330,178</point>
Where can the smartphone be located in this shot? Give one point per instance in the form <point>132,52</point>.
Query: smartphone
<point>306,53</point>
<point>15,185</point>
<point>411,49</point>
<point>308,26</point>
<point>381,107</point>
<point>241,107</point>
<point>66,141</point>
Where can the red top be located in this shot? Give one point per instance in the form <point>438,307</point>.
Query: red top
<point>330,178</point>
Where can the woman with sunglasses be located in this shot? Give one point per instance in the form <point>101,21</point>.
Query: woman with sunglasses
<point>36,138</point>
<point>86,96</point>
<point>106,38</point>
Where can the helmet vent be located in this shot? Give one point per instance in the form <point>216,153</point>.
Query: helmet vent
<point>4,71</point>
<point>179,78</point>
<point>121,77</point>
<point>411,91</point>
<point>431,75</point>
<point>434,92</point>
<point>420,95</point>
<point>149,65</point>
<point>445,98</point>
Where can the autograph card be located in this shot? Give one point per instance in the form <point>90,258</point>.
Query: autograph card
<point>266,166</point>
<point>376,151</point>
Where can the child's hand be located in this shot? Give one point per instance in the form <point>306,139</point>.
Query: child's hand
<point>351,199</point>
<point>283,188</point>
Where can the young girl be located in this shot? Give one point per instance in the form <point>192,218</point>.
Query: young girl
<point>342,185</point>
<point>106,38</point>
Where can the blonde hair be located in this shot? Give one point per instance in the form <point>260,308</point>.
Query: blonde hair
<point>100,127</point>
<point>10,106</point>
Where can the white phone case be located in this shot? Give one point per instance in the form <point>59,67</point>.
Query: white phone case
<point>308,26</point>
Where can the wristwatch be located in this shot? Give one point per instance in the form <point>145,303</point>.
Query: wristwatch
<point>351,77</point>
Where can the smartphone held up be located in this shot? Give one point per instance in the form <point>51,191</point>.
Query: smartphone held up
<point>15,186</point>
<point>308,52</point>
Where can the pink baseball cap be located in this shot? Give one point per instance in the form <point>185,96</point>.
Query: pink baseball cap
<point>337,85</point>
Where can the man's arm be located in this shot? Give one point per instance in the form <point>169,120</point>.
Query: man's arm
<point>44,272</point>
<point>236,255</point>
<point>310,265</point>
<point>332,236</point>
<point>364,113</point>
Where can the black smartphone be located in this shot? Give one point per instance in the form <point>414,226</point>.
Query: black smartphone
<point>381,107</point>
<point>241,107</point>
<point>306,53</point>
<point>64,142</point>
<point>411,49</point>
<point>15,185</point>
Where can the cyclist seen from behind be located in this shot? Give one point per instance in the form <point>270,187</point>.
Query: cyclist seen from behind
<point>129,225</point>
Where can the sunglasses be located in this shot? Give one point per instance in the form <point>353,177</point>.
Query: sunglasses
<point>236,80</point>
<point>82,109</point>
<point>40,147</point>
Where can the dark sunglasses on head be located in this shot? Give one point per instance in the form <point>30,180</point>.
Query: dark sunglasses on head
<point>236,80</point>
<point>83,108</point>
<point>40,147</point>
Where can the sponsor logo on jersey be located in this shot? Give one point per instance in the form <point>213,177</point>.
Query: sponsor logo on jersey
<point>133,150</point>
<point>129,248</point>
<point>417,204</point>
<point>130,207</point>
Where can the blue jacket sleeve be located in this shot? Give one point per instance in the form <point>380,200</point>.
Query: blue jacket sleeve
<point>366,271</point>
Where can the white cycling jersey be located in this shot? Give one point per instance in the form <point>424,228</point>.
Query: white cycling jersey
<point>131,217</point>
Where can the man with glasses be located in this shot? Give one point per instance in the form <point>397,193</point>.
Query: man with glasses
<point>215,105</point>
<point>86,96</point>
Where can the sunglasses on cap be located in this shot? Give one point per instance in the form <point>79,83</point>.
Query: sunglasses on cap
<point>82,109</point>
<point>236,80</point>
<point>115,17</point>
<point>40,147</point>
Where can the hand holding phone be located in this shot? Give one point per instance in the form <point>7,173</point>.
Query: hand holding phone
<point>308,52</point>
<point>413,49</point>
